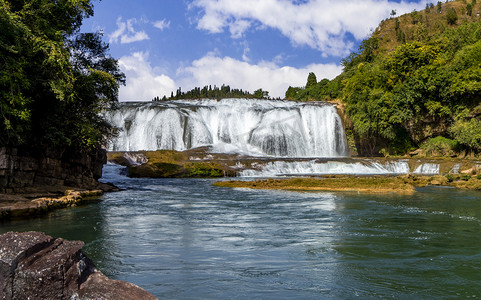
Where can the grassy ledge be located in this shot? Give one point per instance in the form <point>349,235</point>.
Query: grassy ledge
<point>364,184</point>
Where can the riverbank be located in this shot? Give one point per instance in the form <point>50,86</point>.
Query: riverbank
<point>14,206</point>
<point>365,184</point>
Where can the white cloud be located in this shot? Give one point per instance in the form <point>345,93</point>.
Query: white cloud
<point>320,24</point>
<point>142,81</point>
<point>212,69</point>
<point>126,33</point>
<point>162,24</point>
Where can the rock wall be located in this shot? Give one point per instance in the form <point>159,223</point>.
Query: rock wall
<point>23,169</point>
<point>36,266</point>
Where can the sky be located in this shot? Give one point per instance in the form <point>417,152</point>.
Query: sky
<point>162,45</point>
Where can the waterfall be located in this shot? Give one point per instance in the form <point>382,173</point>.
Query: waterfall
<point>250,127</point>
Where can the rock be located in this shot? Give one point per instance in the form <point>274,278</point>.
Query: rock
<point>24,168</point>
<point>21,208</point>
<point>472,171</point>
<point>37,266</point>
<point>416,152</point>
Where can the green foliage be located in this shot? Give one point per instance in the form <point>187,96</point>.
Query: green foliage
<point>224,91</point>
<point>465,177</point>
<point>417,90</point>
<point>452,16</point>
<point>450,177</point>
<point>416,17</point>
<point>351,141</point>
<point>323,90</point>
<point>311,80</point>
<point>467,133</point>
<point>417,82</point>
<point>53,80</point>
<point>440,146</point>
<point>469,9</point>
<point>202,170</point>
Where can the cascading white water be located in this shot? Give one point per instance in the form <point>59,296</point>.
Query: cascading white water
<point>251,127</point>
<point>360,166</point>
<point>313,167</point>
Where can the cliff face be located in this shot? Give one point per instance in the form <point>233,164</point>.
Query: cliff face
<point>24,169</point>
<point>36,266</point>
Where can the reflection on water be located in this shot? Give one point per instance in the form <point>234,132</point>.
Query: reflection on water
<point>185,239</point>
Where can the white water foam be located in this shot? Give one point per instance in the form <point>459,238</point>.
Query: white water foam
<point>361,167</point>
<point>365,167</point>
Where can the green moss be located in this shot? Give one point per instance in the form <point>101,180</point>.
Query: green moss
<point>376,184</point>
<point>203,170</point>
<point>156,170</point>
<point>450,177</point>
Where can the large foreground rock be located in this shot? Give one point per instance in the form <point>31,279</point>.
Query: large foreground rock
<point>37,266</point>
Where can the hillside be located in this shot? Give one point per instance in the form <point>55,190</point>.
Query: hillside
<point>424,25</point>
<point>415,83</point>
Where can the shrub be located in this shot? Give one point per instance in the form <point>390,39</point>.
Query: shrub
<point>440,146</point>
<point>450,177</point>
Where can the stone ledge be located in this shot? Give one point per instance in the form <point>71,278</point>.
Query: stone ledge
<point>37,266</point>
<point>20,206</point>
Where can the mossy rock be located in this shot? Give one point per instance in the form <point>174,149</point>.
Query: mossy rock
<point>156,170</point>
<point>201,170</point>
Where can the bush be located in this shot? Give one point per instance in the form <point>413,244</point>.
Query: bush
<point>440,146</point>
<point>467,133</point>
<point>465,177</point>
<point>450,177</point>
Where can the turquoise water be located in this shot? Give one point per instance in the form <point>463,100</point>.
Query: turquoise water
<point>185,239</point>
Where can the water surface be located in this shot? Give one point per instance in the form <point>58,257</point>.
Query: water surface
<point>185,239</point>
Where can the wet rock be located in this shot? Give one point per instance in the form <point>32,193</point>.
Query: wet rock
<point>37,266</point>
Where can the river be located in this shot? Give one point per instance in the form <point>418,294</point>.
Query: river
<point>186,239</point>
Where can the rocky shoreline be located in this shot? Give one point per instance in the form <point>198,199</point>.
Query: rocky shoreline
<point>29,205</point>
<point>37,266</point>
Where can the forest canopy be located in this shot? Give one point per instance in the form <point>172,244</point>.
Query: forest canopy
<point>54,80</point>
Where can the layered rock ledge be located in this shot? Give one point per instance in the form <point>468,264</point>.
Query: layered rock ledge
<point>28,205</point>
<point>37,266</point>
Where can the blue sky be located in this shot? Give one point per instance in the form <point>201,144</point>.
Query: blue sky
<point>249,44</point>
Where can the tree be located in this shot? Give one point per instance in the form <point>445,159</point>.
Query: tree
<point>467,133</point>
<point>311,80</point>
<point>469,9</point>
<point>53,80</point>
<point>452,16</point>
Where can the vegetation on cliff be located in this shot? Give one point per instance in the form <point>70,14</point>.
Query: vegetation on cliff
<point>417,78</point>
<point>54,80</point>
